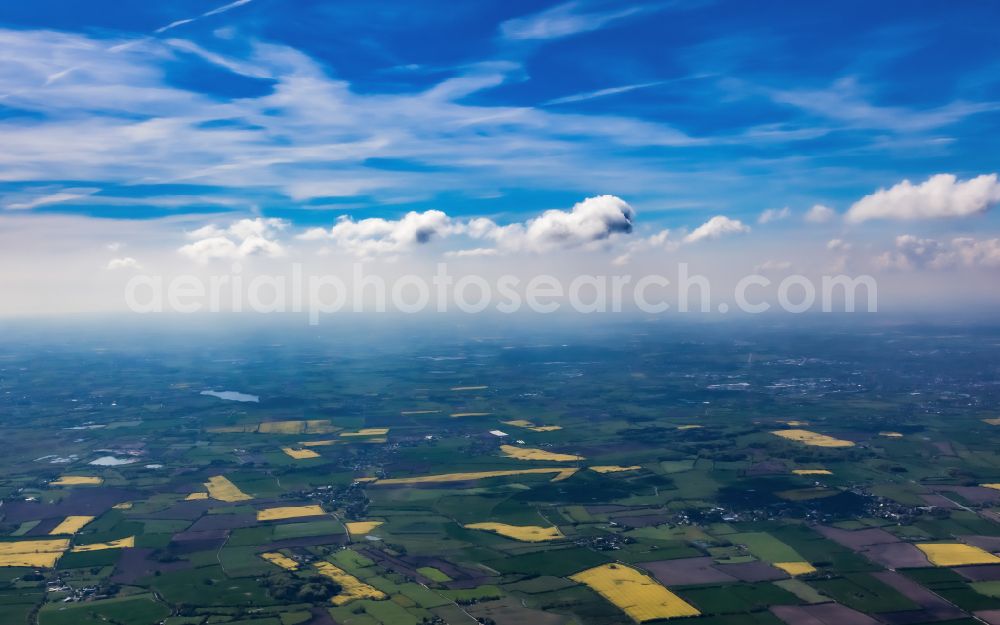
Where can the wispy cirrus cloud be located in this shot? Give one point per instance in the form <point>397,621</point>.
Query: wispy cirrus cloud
<point>188,20</point>
<point>601,93</point>
<point>118,120</point>
<point>847,102</point>
<point>28,201</point>
<point>564,20</point>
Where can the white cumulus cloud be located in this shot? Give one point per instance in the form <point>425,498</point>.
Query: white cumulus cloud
<point>123,263</point>
<point>716,227</point>
<point>590,222</point>
<point>774,214</point>
<point>820,214</point>
<point>593,220</point>
<point>375,235</point>
<point>243,238</point>
<point>942,195</point>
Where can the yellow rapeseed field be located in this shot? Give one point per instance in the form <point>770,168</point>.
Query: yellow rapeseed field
<point>796,568</point>
<point>812,438</point>
<point>614,468</point>
<point>471,414</point>
<point>196,496</point>
<point>812,472</point>
<point>77,480</point>
<point>288,512</point>
<point>528,425</point>
<point>993,486</point>
<point>323,443</point>
<point>524,453</point>
<point>479,475</point>
<point>42,559</point>
<point>526,533</point>
<point>219,487</point>
<point>351,587</point>
<point>367,432</point>
<point>992,421</point>
<point>33,553</point>
<point>281,427</point>
<point>635,593</point>
<point>121,543</point>
<point>34,546</point>
<point>300,454</point>
<point>956,554</point>
<point>565,474</point>
<point>360,528</point>
<point>71,525</point>
<point>280,560</point>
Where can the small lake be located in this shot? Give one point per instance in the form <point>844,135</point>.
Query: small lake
<point>232,396</point>
<point>111,461</point>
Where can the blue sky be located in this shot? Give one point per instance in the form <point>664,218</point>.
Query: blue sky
<point>860,132</point>
<point>689,107</point>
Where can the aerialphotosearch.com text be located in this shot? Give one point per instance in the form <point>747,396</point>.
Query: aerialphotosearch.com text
<point>362,291</point>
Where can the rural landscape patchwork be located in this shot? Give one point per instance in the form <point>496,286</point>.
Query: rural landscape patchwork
<point>499,312</point>
<point>721,476</point>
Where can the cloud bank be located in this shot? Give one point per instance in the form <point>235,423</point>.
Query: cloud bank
<point>913,253</point>
<point>589,222</point>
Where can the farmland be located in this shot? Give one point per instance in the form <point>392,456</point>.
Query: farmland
<point>526,533</point>
<point>522,453</point>
<point>812,438</point>
<point>71,524</point>
<point>219,487</point>
<point>289,512</point>
<point>299,454</point>
<point>600,504</point>
<point>956,554</point>
<point>638,595</point>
